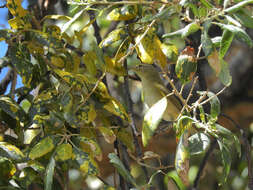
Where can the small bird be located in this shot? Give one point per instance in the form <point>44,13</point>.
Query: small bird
<point>154,90</point>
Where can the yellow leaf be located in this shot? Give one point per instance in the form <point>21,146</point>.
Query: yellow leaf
<point>115,107</point>
<point>149,49</point>
<point>126,138</point>
<point>45,146</point>
<point>57,61</point>
<point>113,67</point>
<point>64,152</point>
<point>127,12</point>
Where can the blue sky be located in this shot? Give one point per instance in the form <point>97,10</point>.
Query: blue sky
<point>3,46</point>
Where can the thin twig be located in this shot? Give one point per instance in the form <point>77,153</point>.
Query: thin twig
<point>121,3</point>
<point>247,148</point>
<point>176,91</point>
<point>3,6</point>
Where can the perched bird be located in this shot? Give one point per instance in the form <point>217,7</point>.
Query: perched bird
<point>154,90</point>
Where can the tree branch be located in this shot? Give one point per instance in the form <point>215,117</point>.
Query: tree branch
<point>6,80</point>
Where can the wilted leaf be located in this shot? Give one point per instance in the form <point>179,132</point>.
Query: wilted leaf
<point>49,175</point>
<point>182,158</point>
<point>214,62</point>
<point>63,152</point>
<point>198,143</point>
<point>91,147</point>
<point>43,147</point>
<point>152,119</point>
<point>11,151</point>
<point>226,40</point>
<point>126,12</point>
<point>121,168</point>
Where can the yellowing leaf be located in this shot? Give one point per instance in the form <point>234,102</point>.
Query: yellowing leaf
<point>115,35</point>
<point>214,62</point>
<point>108,134</point>
<point>115,107</point>
<point>43,147</point>
<point>91,147</point>
<point>7,169</point>
<point>64,152</point>
<point>126,12</point>
<point>171,52</point>
<point>149,49</point>
<point>11,151</point>
<point>113,67</point>
<point>152,119</point>
<point>89,60</point>
<point>57,61</point>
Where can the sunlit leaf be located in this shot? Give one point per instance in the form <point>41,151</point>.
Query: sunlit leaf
<point>72,20</point>
<point>63,152</point>
<point>238,6</point>
<point>126,12</point>
<point>149,49</point>
<point>10,107</point>
<point>11,151</point>
<point>49,174</point>
<point>186,65</point>
<point>198,143</point>
<point>121,168</point>
<point>152,119</point>
<point>108,134</point>
<point>43,147</point>
<point>245,18</point>
<point>170,51</point>
<point>31,132</point>
<point>87,165</point>
<point>115,35</point>
<point>115,107</point>
<point>239,32</point>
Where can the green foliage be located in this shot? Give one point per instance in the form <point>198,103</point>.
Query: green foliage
<point>68,106</point>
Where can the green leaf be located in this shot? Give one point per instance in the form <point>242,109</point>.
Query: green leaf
<point>198,143</point>
<point>72,20</point>
<point>226,40</point>
<point>244,18</point>
<point>215,105</point>
<point>152,119</point>
<point>240,33</point>
<point>190,29</point>
<point>184,123</point>
<point>184,32</point>
<point>11,151</point>
<point>49,175</point>
<point>121,168</point>
<point>63,152</point>
<point>226,160</point>
<point>182,158</point>
<point>238,6</point>
<point>43,147</point>
<point>206,4</point>
<point>10,107</point>
<point>207,44</point>
<point>224,74</point>
<point>176,181</point>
